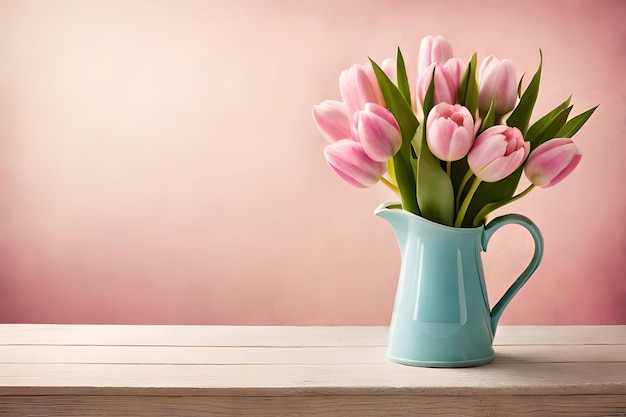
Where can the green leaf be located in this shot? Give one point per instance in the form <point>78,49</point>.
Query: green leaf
<point>490,117</point>
<point>540,126</point>
<point>459,169</point>
<point>519,85</point>
<point>495,205</point>
<point>403,80</point>
<point>405,177</point>
<point>550,132</point>
<point>571,127</point>
<point>520,118</point>
<point>462,91</point>
<point>434,188</point>
<point>402,111</point>
<point>489,192</point>
<point>467,94</point>
<point>429,98</point>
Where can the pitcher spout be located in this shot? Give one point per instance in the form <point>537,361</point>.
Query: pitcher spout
<point>389,211</point>
<point>393,213</point>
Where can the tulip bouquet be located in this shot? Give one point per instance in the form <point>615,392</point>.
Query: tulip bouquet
<point>453,141</point>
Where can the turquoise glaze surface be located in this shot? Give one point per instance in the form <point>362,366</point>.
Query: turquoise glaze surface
<point>441,315</point>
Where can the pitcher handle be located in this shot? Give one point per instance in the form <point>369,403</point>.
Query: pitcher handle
<point>490,229</point>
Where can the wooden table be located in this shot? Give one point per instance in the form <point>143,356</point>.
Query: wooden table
<point>102,370</point>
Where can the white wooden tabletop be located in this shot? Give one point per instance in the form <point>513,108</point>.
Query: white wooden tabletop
<point>115,370</point>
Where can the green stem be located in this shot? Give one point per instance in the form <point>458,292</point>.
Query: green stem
<point>390,185</point>
<point>405,180</point>
<point>464,181</point>
<point>491,207</point>
<point>466,202</point>
<point>522,194</point>
<point>448,167</point>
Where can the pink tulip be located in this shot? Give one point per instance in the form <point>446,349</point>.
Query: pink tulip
<point>348,159</point>
<point>447,79</point>
<point>378,132</point>
<point>449,131</point>
<point>358,85</point>
<point>497,79</point>
<point>332,120</point>
<point>497,153</point>
<point>433,50</point>
<point>551,162</point>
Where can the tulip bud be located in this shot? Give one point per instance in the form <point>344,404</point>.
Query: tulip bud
<point>551,162</point>
<point>332,120</point>
<point>449,131</point>
<point>378,132</point>
<point>358,85</point>
<point>497,153</point>
<point>447,79</point>
<point>497,79</point>
<point>433,50</point>
<point>348,159</point>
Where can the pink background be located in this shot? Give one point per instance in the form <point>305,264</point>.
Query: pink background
<point>159,164</point>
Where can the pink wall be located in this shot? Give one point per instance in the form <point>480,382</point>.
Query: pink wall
<point>158,162</point>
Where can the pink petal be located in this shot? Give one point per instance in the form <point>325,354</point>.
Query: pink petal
<point>332,120</point>
<point>356,89</point>
<point>438,137</point>
<point>460,144</point>
<point>380,139</point>
<point>486,149</point>
<point>490,159</point>
<point>565,171</point>
<point>552,161</point>
<point>348,159</point>
<point>383,113</point>
<point>433,50</point>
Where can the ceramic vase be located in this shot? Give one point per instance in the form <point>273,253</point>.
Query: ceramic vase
<point>442,316</point>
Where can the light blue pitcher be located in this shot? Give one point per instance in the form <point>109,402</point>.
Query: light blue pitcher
<point>441,316</point>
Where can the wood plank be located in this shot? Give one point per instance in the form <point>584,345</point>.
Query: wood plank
<point>560,335</point>
<point>505,379</point>
<point>314,406</point>
<point>283,336</point>
<point>158,335</point>
<point>190,355</point>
